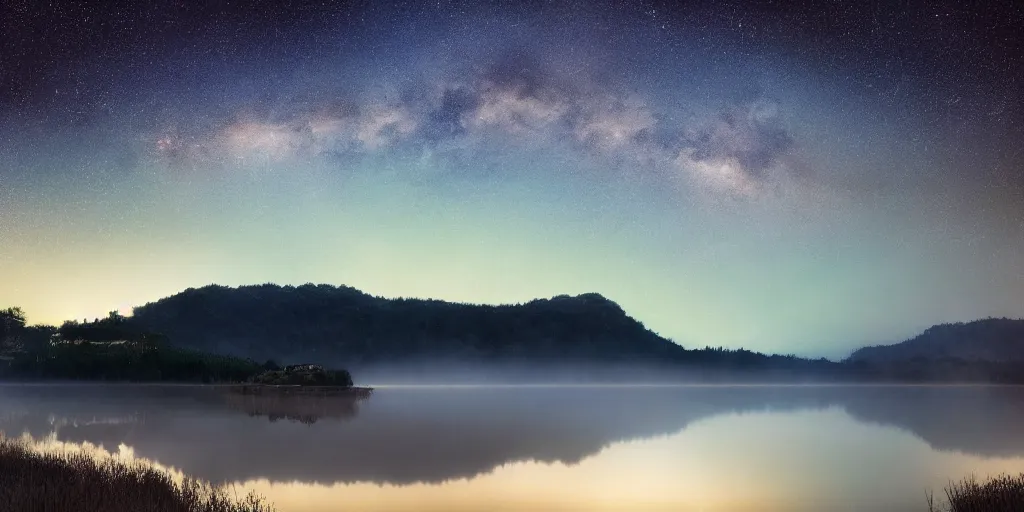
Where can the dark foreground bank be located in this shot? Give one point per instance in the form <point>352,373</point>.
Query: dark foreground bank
<point>58,482</point>
<point>1003,493</point>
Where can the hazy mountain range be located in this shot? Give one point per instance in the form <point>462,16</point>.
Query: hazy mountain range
<point>988,340</point>
<point>344,326</point>
<point>341,325</point>
<point>322,321</point>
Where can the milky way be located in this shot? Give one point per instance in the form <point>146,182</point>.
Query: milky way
<point>798,177</point>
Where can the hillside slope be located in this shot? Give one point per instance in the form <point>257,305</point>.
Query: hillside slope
<point>344,325</point>
<point>995,340</point>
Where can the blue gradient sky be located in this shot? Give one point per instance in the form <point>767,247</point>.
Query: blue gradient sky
<point>789,179</point>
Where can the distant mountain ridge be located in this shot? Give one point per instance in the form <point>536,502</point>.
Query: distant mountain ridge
<point>992,340</point>
<point>573,338</point>
<point>338,323</point>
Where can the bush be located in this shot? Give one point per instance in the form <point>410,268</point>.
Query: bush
<point>1003,493</point>
<point>76,482</point>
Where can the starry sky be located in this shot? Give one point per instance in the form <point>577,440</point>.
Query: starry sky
<point>802,177</point>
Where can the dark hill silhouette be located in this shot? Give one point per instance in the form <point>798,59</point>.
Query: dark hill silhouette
<point>992,340</point>
<point>537,341</point>
<point>584,338</point>
<point>342,326</point>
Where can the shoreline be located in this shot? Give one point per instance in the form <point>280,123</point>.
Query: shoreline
<point>282,390</point>
<point>441,385</point>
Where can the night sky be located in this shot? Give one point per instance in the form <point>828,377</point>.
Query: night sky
<point>792,177</point>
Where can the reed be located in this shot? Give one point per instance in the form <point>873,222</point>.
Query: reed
<point>1003,493</point>
<point>32,481</point>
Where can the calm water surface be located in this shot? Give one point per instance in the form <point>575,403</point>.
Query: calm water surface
<point>776,448</point>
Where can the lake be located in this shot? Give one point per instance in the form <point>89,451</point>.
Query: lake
<point>639,448</point>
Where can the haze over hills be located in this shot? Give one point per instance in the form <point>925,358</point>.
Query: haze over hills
<point>344,325</point>
<point>565,338</point>
<point>992,340</point>
<point>322,321</point>
<point>414,340</point>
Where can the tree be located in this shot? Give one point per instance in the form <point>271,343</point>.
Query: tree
<point>12,322</point>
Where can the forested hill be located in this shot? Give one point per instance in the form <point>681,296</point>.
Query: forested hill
<point>992,340</point>
<point>342,324</point>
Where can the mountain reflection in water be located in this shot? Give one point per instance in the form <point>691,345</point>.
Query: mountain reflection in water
<point>306,409</point>
<point>405,436</point>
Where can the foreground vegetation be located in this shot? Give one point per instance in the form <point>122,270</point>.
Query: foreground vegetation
<point>75,482</point>
<point>1003,493</point>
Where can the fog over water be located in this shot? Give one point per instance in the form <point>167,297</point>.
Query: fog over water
<point>570,447</point>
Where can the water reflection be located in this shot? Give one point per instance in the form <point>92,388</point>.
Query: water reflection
<point>301,408</point>
<point>408,437</point>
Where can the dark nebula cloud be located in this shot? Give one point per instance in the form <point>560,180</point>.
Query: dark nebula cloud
<point>447,120</point>
<point>751,136</point>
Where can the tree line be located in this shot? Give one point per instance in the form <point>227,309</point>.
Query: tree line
<point>112,348</point>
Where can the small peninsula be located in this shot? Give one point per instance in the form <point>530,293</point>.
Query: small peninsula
<point>119,350</point>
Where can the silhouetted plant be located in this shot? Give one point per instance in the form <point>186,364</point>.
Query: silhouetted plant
<point>75,482</point>
<point>12,323</point>
<point>1004,493</point>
